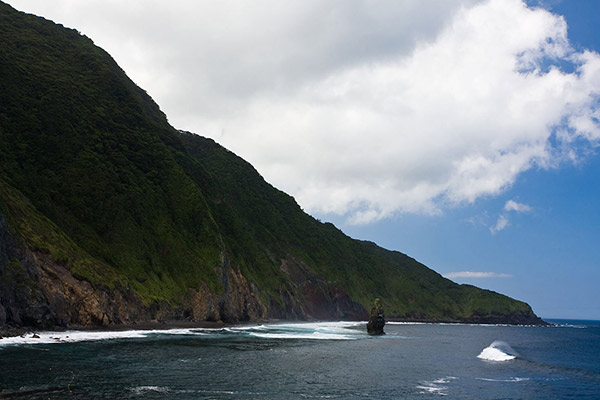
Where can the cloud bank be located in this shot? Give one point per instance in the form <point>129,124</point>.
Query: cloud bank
<point>364,109</point>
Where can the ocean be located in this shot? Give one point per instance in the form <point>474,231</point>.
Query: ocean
<point>324,360</point>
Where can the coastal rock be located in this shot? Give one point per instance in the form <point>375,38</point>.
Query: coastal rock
<point>239,301</point>
<point>308,296</point>
<point>376,320</point>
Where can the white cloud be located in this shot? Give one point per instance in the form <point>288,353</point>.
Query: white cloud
<point>501,223</point>
<point>512,205</point>
<point>361,108</point>
<point>472,274</point>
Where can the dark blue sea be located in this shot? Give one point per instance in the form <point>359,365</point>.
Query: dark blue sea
<point>327,360</point>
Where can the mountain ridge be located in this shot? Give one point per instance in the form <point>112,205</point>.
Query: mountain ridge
<point>109,215</point>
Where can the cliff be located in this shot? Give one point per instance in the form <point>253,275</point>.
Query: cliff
<point>109,215</point>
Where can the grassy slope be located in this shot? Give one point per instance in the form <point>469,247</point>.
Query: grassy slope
<point>91,170</point>
<point>261,225</point>
<point>94,154</point>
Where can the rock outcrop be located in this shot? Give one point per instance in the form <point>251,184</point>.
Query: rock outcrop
<point>308,296</point>
<point>376,319</point>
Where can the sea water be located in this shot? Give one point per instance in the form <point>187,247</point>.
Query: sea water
<point>326,360</point>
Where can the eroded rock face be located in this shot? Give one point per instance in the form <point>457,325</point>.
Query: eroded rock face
<point>308,296</point>
<point>376,319</point>
<point>240,300</point>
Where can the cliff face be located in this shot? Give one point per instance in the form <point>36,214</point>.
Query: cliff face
<point>109,215</point>
<point>36,291</point>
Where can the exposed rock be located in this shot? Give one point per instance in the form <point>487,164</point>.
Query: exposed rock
<point>240,301</point>
<point>201,305</point>
<point>376,320</point>
<point>307,296</point>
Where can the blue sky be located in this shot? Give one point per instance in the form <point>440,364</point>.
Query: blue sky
<point>463,133</point>
<point>552,253</point>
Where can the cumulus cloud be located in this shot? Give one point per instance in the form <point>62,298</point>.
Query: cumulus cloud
<point>457,119</point>
<point>501,223</point>
<point>362,108</point>
<point>503,219</point>
<point>512,205</point>
<point>472,274</point>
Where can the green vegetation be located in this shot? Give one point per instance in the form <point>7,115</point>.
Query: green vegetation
<point>92,174</point>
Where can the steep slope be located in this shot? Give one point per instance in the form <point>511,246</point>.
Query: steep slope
<point>110,215</point>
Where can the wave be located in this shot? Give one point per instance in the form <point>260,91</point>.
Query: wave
<point>436,386</point>
<point>565,325</point>
<point>312,336</point>
<point>498,351</point>
<point>511,379</point>
<point>90,336</point>
<point>140,390</point>
<point>312,330</point>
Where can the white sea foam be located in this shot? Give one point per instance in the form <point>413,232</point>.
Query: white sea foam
<point>88,336</point>
<point>317,325</point>
<point>312,336</point>
<point>68,337</point>
<point>567,325</point>
<point>498,351</point>
<point>445,380</point>
<point>140,390</point>
<point>436,386</point>
<point>433,389</point>
<point>311,330</point>
<point>511,379</point>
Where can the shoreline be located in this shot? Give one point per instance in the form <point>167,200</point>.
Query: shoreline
<point>11,331</point>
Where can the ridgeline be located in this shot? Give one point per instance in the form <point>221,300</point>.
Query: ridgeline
<point>108,215</point>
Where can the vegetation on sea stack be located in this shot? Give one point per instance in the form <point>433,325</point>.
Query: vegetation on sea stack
<point>94,179</point>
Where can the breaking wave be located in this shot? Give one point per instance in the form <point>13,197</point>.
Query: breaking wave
<point>312,331</point>
<point>498,351</point>
<point>141,390</point>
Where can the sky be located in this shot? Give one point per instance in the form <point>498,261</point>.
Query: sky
<point>463,133</point>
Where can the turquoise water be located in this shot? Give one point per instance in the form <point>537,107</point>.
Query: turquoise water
<point>334,360</point>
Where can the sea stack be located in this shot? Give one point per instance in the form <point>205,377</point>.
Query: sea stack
<point>376,320</point>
